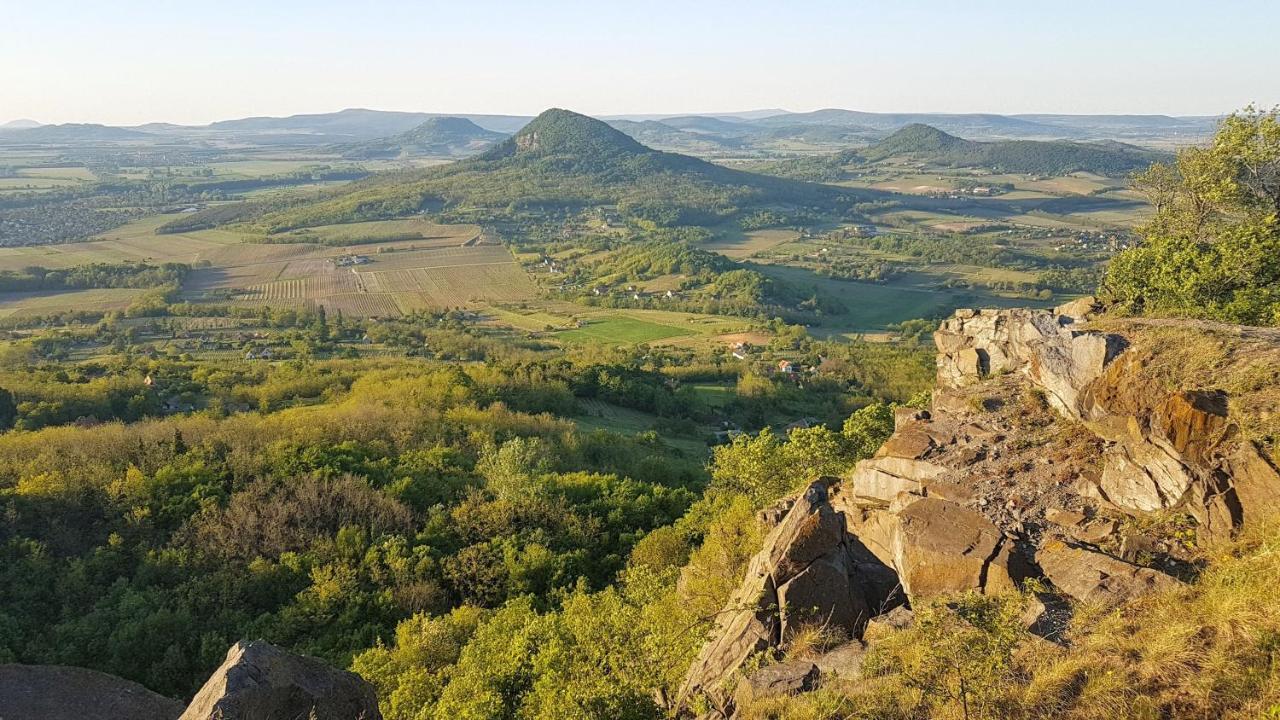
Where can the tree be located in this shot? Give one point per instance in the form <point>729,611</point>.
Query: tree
<point>1212,248</point>
<point>8,410</point>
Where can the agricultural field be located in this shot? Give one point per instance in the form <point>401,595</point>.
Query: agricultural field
<point>26,179</point>
<point>41,303</point>
<point>621,330</point>
<point>136,241</point>
<point>383,284</point>
<point>598,415</point>
<point>407,233</point>
<point>737,244</point>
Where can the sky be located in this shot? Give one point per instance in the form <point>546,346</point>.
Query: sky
<point>131,62</point>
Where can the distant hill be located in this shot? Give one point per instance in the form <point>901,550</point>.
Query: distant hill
<point>704,124</point>
<point>827,168</point>
<point>20,124</point>
<point>981,124</point>
<point>659,135</point>
<point>563,159</point>
<point>356,123</point>
<point>437,136</point>
<point>1131,126</point>
<point>71,133</point>
<point>929,144</point>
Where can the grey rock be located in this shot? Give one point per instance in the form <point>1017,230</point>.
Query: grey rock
<point>259,680</point>
<point>786,678</point>
<point>55,692</point>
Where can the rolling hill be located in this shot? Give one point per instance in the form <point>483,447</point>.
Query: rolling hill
<point>437,136</point>
<point>929,144</point>
<point>564,160</point>
<point>661,136</point>
<point>70,133</point>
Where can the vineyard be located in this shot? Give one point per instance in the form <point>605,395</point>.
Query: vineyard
<point>383,284</point>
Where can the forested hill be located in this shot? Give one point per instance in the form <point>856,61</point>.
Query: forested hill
<point>439,136</point>
<point>929,144</point>
<point>563,159</point>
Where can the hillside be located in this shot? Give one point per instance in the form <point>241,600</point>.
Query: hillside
<point>929,144</point>
<point>563,159</point>
<point>437,136</point>
<point>660,135</point>
<point>70,133</point>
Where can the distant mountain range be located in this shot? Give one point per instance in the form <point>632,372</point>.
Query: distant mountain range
<point>761,131</point>
<point>19,124</point>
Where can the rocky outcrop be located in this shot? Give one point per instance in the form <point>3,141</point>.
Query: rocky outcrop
<point>1044,345</point>
<point>1164,449</point>
<point>258,680</point>
<point>51,692</point>
<point>809,572</point>
<point>1042,437</point>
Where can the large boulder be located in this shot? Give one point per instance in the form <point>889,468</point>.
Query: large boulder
<point>786,678</point>
<point>823,594</point>
<point>1096,578</point>
<point>259,681</point>
<point>1253,480</point>
<point>884,477</point>
<point>53,692</point>
<point>937,547</point>
<point>748,625</point>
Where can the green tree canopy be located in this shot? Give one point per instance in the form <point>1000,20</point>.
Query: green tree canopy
<point>1212,249</point>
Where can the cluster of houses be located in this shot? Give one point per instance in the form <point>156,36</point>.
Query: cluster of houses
<point>1098,241</point>
<point>974,191</point>
<point>350,260</point>
<point>783,367</point>
<point>634,292</point>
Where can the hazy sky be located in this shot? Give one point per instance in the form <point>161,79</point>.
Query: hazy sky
<point>130,61</point>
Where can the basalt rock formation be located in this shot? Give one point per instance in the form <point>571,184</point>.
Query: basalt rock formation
<point>53,692</point>
<point>258,681</point>
<point>1043,437</point>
